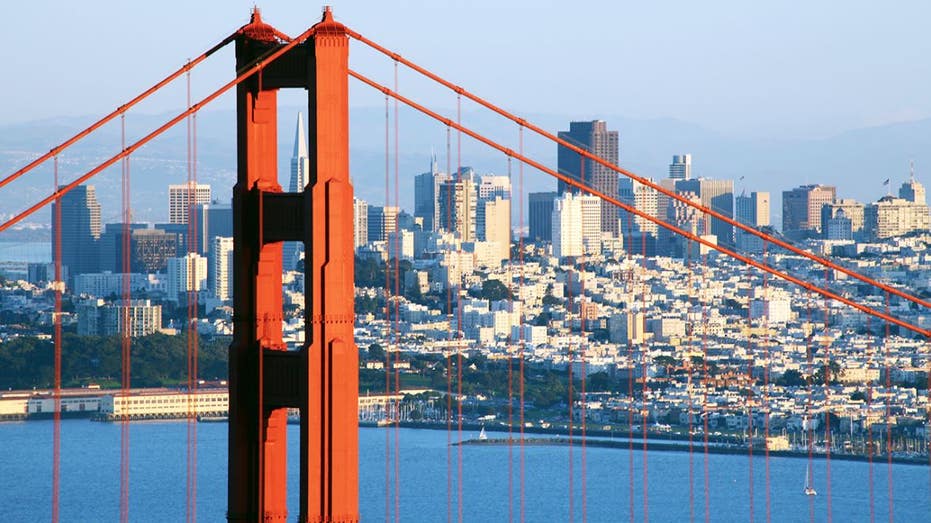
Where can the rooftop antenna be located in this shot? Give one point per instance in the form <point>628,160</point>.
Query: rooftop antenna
<point>911,170</point>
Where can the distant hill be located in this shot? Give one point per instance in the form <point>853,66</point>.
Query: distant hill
<point>856,161</point>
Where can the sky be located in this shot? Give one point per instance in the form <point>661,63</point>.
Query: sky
<point>788,69</point>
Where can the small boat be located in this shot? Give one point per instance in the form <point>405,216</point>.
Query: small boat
<point>809,490</point>
<point>481,435</point>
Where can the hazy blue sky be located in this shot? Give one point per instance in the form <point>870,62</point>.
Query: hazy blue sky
<point>767,69</point>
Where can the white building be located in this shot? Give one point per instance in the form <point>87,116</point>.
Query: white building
<point>186,274</point>
<point>182,197</point>
<point>494,224</point>
<point>221,264</point>
<point>567,226</point>
<point>401,245</point>
<point>576,225</point>
<point>360,222</point>
<point>103,284</point>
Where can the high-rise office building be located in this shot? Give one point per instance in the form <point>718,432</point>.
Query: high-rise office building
<point>567,226</point>
<point>292,252</point>
<point>681,167</point>
<point>576,223</point>
<point>852,211</point>
<point>683,216</point>
<point>360,221</point>
<point>186,274</point>
<point>151,250</point>
<point>493,224</point>
<point>182,197</point>
<point>491,186</point>
<point>457,205</point>
<point>381,222</point>
<point>541,216</point>
<point>717,195</point>
<point>426,188</point>
<point>891,216</point>
<point>221,268</point>
<point>913,190</point>
<point>644,199</point>
<point>110,247</point>
<point>213,219</point>
<point>752,210</point>
<point>595,138</point>
<point>80,230</point>
<point>591,223</point>
<point>801,210</point>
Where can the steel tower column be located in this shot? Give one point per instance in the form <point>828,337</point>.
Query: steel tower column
<point>320,379</point>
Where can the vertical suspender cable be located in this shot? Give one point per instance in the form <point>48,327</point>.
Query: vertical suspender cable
<point>397,304</point>
<point>828,439</point>
<point>888,396</point>
<point>449,338</point>
<point>706,381</point>
<point>645,413</point>
<point>809,430</point>
<point>510,357</point>
<point>56,322</point>
<point>689,386</point>
<point>568,321</point>
<point>766,369</point>
<point>520,354</point>
<point>584,345</point>
<point>870,358</point>
<point>630,290</point>
<point>459,227</point>
<point>124,346</point>
<point>389,416</point>
<point>750,385</point>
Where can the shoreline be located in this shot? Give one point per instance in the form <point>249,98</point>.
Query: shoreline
<point>619,440</point>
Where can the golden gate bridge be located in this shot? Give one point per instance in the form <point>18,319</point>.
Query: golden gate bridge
<point>321,379</point>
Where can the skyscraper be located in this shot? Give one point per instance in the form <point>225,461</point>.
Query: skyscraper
<point>300,167</point>
<point>594,137</point>
<point>717,195</point>
<point>221,267</point>
<point>381,222</point>
<point>80,230</point>
<point>300,161</point>
<point>457,205</point>
<point>852,211</point>
<point>360,221</point>
<point>912,190</point>
<point>644,199</point>
<point>426,188</point>
<point>576,223</point>
<point>752,210</point>
<point>541,215</point>
<point>681,167</point>
<point>493,224</point>
<point>181,197</point>
<point>567,226</point>
<point>801,209</point>
<point>187,273</point>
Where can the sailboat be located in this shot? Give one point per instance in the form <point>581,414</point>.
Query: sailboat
<point>481,435</point>
<point>809,490</point>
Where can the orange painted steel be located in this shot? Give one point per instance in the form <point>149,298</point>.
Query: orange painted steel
<point>331,420</point>
<point>320,379</point>
<point>639,179</point>
<point>629,208</point>
<point>246,73</point>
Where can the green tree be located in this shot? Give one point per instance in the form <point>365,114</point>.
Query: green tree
<point>495,290</point>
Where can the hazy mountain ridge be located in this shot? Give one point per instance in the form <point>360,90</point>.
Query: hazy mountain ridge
<point>857,161</point>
